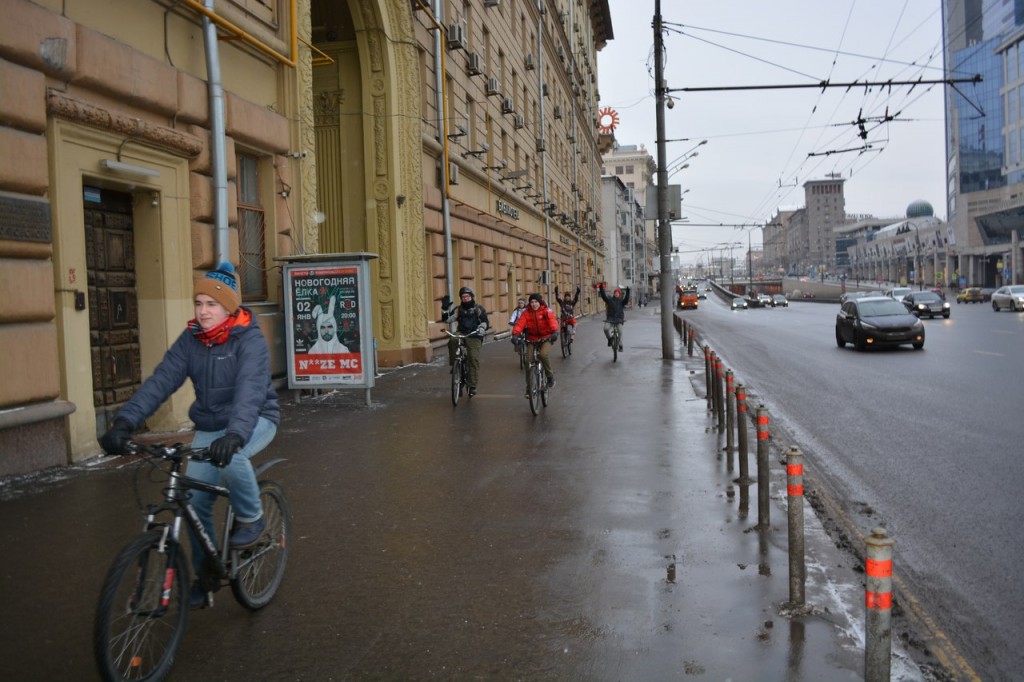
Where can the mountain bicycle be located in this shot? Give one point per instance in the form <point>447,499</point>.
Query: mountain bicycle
<point>566,336</point>
<point>521,352</point>
<point>460,367</point>
<point>616,341</point>
<point>144,604</point>
<point>536,381</point>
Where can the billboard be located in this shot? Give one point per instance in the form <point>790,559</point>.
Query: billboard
<point>328,324</point>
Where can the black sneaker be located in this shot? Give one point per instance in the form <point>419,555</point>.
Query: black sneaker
<point>551,382</point>
<point>247,534</point>
<point>472,391</point>
<point>196,597</point>
<point>620,347</point>
<point>609,343</point>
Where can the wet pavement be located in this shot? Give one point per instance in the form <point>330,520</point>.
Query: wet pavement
<point>605,539</point>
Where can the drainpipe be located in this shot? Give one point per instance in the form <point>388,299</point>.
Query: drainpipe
<point>442,129</point>
<point>218,151</point>
<point>544,154</point>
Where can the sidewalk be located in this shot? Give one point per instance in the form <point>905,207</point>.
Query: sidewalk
<point>604,539</point>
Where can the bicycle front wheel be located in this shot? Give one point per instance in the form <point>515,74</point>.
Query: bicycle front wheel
<point>522,356</point>
<point>258,571</point>
<point>615,347</point>
<point>456,381</point>
<point>565,343</point>
<point>536,376</point>
<point>142,611</point>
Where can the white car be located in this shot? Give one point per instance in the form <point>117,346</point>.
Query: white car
<point>898,292</point>
<point>1010,297</point>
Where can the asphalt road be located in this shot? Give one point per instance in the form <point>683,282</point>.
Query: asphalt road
<point>925,443</point>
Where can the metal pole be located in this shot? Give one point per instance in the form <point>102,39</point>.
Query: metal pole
<point>795,512</point>
<point>664,226</point>
<point>878,600</point>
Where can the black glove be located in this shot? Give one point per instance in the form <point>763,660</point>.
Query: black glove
<point>553,338</point>
<point>115,441</point>
<point>446,302</point>
<point>224,448</point>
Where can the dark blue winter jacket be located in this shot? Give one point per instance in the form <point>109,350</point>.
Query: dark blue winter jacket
<point>231,381</point>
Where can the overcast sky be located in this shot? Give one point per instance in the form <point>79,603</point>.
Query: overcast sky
<point>760,142</point>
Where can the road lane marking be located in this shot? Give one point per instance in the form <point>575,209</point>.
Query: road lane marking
<point>985,352</point>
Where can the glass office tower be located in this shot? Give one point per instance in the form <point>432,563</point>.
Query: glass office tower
<point>985,139</point>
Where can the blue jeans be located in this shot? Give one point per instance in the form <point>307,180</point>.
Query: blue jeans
<point>238,477</point>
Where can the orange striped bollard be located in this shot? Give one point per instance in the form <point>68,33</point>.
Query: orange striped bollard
<point>730,420</point>
<point>741,428</point>
<point>795,512</point>
<point>719,390</point>
<point>707,374</point>
<point>763,516</point>
<point>878,607</point>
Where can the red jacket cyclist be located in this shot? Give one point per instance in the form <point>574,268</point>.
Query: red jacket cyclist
<point>539,325</point>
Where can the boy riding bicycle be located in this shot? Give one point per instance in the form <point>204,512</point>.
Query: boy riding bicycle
<point>236,412</point>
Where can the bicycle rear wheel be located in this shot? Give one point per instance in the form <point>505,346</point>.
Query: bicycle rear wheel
<point>522,356</point>
<point>258,571</point>
<point>536,376</point>
<point>142,610</point>
<point>456,381</point>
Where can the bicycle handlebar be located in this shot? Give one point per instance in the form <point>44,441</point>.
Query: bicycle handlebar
<point>176,451</point>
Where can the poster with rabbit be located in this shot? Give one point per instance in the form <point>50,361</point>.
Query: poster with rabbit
<point>325,308</point>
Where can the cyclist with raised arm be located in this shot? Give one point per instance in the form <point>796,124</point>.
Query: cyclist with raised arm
<point>567,304</point>
<point>236,412</point>
<point>471,320</point>
<point>615,311</point>
<point>538,325</point>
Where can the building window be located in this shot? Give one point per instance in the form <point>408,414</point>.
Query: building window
<point>618,170</point>
<point>629,170</point>
<point>252,241</point>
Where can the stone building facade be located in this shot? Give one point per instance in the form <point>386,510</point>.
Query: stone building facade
<point>334,143</point>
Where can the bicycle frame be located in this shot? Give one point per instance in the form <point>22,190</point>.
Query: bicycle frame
<point>176,501</point>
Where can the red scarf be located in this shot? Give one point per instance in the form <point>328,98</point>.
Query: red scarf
<point>219,334</point>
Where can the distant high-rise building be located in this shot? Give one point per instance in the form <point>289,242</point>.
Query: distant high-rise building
<point>985,139</point>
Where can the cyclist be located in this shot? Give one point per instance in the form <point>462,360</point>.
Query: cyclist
<point>516,313</point>
<point>568,309</point>
<point>236,412</point>
<point>538,324</point>
<point>470,318</point>
<point>615,311</point>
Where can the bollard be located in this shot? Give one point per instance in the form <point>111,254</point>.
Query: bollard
<point>714,383</point>
<point>878,607</point>
<point>795,513</point>
<point>730,418</point>
<point>741,427</point>
<point>719,393</point>
<point>686,330</point>
<point>707,374</point>
<point>689,343</point>
<point>763,516</point>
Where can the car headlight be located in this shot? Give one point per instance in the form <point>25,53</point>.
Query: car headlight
<point>945,304</point>
<point>922,306</point>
